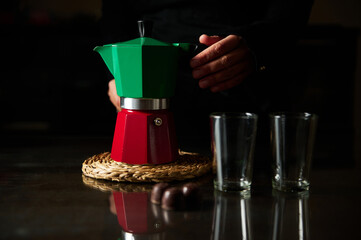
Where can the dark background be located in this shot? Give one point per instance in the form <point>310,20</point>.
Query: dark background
<point>52,83</point>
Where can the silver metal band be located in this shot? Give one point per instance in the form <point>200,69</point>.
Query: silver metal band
<point>144,103</point>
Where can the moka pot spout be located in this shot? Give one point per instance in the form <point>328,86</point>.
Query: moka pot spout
<point>106,54</point>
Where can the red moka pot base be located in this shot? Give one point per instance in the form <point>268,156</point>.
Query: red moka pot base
<point>139,140</point>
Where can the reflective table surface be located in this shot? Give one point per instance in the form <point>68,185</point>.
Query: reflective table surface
<point>43,195</point>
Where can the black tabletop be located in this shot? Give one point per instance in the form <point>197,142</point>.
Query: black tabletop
<point>43,195</point>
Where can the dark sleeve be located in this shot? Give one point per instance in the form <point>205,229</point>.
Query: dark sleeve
<point>272,38</point>
<point>118,22</point>
<point>283,22</point>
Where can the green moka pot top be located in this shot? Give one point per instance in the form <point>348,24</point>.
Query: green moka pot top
<point>143,67</point>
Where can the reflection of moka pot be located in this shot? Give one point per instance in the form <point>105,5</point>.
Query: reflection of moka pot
<point>145,72</point>
<point>138,218</point>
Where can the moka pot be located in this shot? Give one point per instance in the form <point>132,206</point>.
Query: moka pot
<point>145,72</point>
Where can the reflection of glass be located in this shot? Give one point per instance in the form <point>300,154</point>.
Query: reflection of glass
<point>231,217</point>
<point>291,216</point>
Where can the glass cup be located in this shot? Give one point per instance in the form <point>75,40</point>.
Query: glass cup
<point>233,138</point>
<point>292,141</point>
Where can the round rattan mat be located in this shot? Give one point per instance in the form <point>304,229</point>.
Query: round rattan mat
<point>111,186</point>
<point>186,166</point>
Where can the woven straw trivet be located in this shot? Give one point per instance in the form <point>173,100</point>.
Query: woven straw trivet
<point>111,186</point>
<point>187,166</point>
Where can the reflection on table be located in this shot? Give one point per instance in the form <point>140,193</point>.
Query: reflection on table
<point>291,216</point>
<point>231,217</point>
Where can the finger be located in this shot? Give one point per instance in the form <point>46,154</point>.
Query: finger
<point>117,105</point>
<point>115,100</point>
<point>221,76</point>
<point>111,85</point>
<point>113,96</point>
<point>209,40</point>
<point>230,83</point>
<point>216,50</point>
<point>221,63</point>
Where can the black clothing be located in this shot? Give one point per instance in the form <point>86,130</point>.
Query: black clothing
<point>267,25</point>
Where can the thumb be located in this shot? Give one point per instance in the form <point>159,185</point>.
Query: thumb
<point>209,40</point>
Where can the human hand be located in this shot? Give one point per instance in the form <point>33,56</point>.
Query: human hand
<point>113,96</point>
<point>224,64</point>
